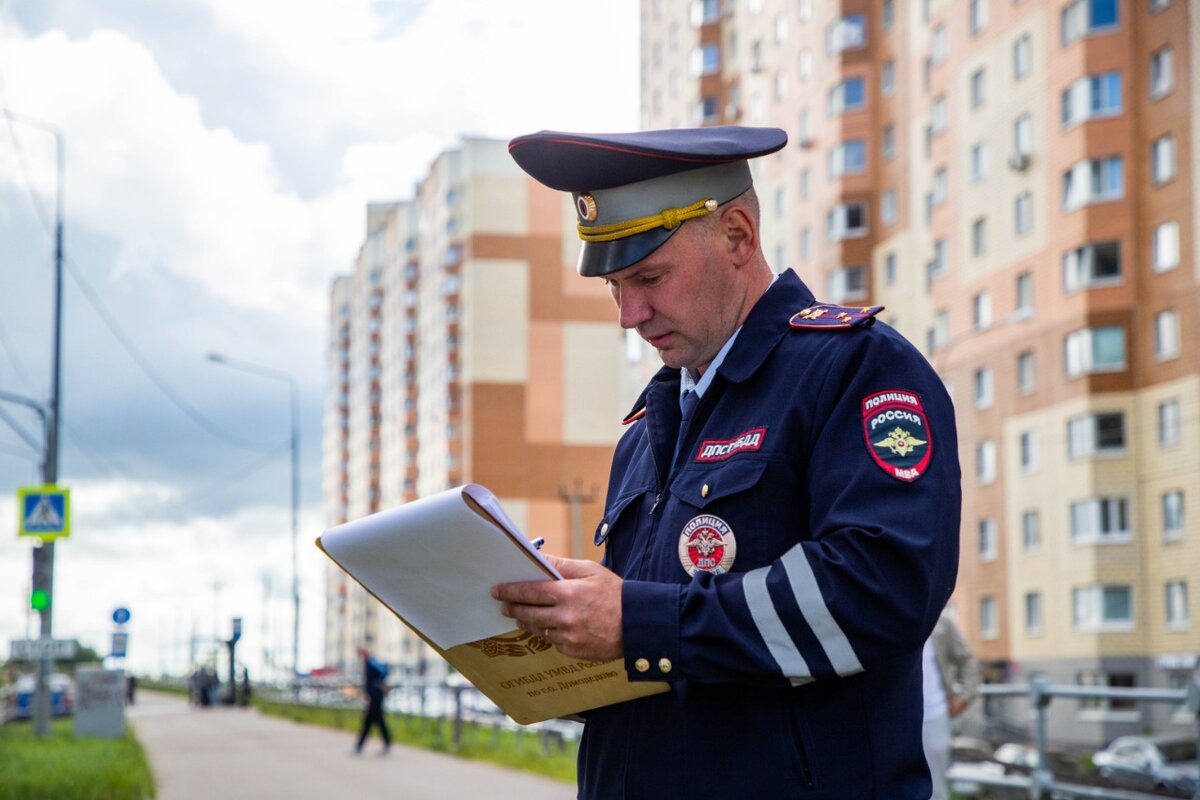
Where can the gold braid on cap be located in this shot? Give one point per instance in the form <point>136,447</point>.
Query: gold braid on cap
<point>668,218</point>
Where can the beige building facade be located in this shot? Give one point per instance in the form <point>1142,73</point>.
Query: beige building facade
<point>1016,181</point>
<point>464,348</point>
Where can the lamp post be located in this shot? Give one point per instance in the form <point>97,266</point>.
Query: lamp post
<point>43,557</point>
<point>267,372</point>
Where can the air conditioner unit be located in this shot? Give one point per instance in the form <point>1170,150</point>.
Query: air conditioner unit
<point>1018,162</point>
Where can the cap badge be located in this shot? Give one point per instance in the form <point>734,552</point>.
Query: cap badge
<point>707,544</point>
<point>586,206</point>
<point>897,433</point>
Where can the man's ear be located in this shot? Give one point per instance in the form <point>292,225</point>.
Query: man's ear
<point>739,234</point>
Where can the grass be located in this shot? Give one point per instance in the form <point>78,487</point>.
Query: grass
<point>65,768</point>
<point>520,749</point>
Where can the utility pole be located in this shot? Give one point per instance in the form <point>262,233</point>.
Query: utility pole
<point>575,500</point>
<point>43,557</point>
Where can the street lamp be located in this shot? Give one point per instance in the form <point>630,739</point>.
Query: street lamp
<point>43,557</point>
<point>267,372</point>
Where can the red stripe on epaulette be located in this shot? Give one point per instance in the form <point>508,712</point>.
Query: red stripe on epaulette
<point>635,416</point>
<point>825,317</point>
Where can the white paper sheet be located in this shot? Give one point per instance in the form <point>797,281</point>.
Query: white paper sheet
<point>435,560</point>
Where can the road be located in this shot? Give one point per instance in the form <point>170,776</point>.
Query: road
<point>216,753</point>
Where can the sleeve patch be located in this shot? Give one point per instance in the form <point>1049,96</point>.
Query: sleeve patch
<point>897,433</point>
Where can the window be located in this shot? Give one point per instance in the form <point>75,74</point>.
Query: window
<point>1022,57</point>
<point>989,622</point>
<point>1169,424</point>
<point>939,46</point>
<point>1031,529</point>
<point>1099,608</point>
<point>848,158</point>
<point>805,242</point>
<point>1030,451</point>
<point>704,12</point>
<point>1026,372</point>
<point>1172,514</point>
<point>804,128</point>
<point>1024,293</point>
<point>981,311</point>
<point>705,60</point>
<point>984,388</point>
<point>1158,5</point>
<point>1162,159</point>
<point>805,183</point>
<point>1165,253</point>
<point>987,539</point>
<point>848,33</point>
<point>806,10</point>
<point>979,236</point>
<point>1166,334</point>
<point>781,29</point>
<point>1033,612</point>
<point>846,220</point>
<point>806,64</point>
<point>1100,519</point>
<point>888,146</point>
<point>985,466</point>
<point>978,88</point>
<point>888,14</point>
<point>887,206</point>
<point>977,16</point>
<point>1095,264</point>
<point>1023,213</point>
<point>1176,604</point>
<point>707,109</point>
<point>1100,433</point>
<point>1116,709</point>
<point>939,333</point>
<point>848,283</point>
<point>889,269</point>
<point>1162,72</point>
<point>937,115</point>
<point>940,263</point>
<point>1023,135</point>
<point>978,162</point>
<point>1093,181</point>
<point>1091,97</point>
<point>887,77</point>
<point>848,95</point>
<point>1085,17</point>
<point>1092,350</point>
<point>940,187</point>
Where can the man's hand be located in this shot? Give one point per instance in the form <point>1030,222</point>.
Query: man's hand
<point>957,705</point>
<point>580,615</point>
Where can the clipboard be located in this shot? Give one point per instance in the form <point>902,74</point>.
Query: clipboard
<point>432,563</point>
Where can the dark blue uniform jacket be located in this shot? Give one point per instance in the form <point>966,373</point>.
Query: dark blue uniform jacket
<point>827,457</point>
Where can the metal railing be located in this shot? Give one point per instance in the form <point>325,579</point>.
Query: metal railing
<point>1041,784</point>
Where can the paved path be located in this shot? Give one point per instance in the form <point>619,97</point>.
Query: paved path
<point>210,754</point>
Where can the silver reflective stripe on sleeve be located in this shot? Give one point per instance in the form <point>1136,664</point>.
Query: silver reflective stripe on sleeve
<point>770,627</point>
<point>808,596</point>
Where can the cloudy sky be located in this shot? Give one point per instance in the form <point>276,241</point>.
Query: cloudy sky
<point>219,156</point>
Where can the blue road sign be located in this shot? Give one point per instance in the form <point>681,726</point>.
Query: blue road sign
<point>45,511</point>
<point>121,615</point>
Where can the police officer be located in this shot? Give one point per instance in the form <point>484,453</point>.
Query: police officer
<point>781,523</point>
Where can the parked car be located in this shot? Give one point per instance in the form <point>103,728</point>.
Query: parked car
<point>1020,759</point>
<point>1151,762</point>
<point>18,698</point>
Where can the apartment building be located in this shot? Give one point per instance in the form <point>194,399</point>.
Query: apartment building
<point>1016,181</point>
<point>464,348</point>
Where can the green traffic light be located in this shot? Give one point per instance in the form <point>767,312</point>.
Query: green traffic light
<point>39,600</point>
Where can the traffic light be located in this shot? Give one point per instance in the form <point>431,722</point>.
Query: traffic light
<point>39,598</point>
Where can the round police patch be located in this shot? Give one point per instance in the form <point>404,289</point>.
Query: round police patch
<point>897,433</point>
<point>707,545</point>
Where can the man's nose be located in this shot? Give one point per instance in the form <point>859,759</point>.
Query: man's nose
<point>634,309</point>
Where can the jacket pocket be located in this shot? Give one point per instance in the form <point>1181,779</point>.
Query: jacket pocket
<point>612,516</point>
<point>700,487</point>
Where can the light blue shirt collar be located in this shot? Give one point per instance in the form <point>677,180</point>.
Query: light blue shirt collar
<point>688,382</point>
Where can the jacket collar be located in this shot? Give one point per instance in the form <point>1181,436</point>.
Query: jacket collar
<point>765,326</point>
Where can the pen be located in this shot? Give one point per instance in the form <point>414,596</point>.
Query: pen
<point>538,542</point>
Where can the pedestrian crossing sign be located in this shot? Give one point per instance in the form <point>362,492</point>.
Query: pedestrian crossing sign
<point>45,511</point>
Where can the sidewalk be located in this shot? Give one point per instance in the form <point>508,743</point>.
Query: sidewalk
<point>215,753</point>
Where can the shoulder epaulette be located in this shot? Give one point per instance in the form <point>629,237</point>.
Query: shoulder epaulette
<point>634,416</point>
<point>825,316</point>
